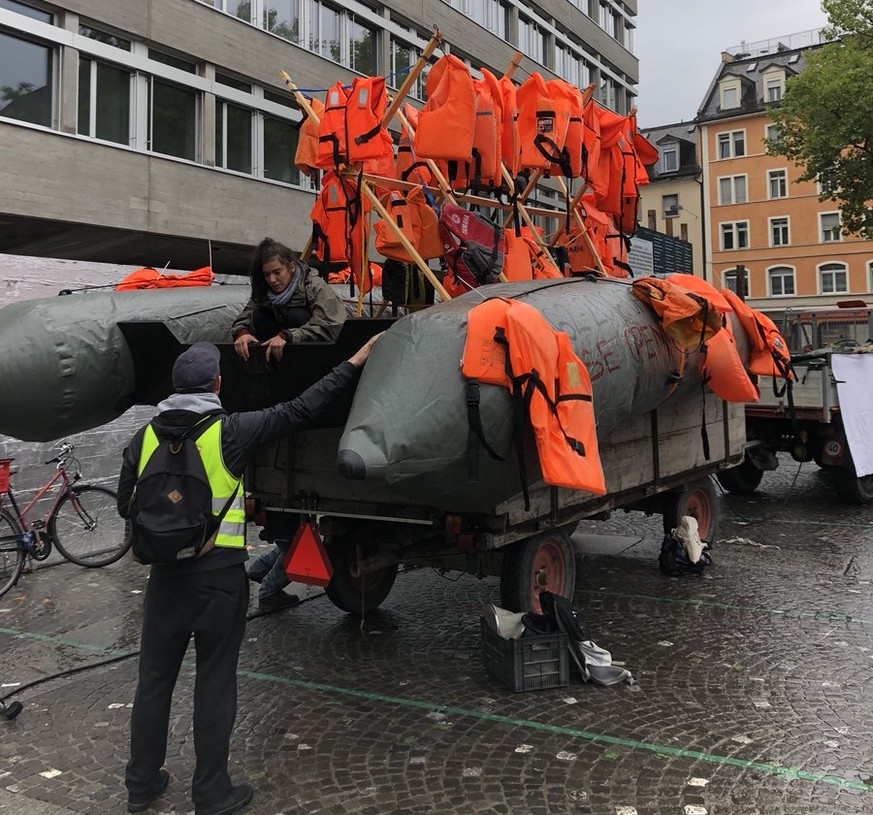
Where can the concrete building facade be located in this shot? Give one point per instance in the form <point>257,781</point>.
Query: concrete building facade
<point>159,132</point>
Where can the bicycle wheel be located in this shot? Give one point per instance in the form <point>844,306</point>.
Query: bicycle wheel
<point>11,551</point>
<point>87,528</point>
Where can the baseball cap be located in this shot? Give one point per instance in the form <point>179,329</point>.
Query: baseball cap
<point>196,368</point>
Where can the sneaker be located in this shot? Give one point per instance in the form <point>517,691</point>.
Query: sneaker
<point>140,803</point>
<point>238,798</point>
<point>278,600</point>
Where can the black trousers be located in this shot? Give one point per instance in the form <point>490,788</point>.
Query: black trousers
<point>211,606</point>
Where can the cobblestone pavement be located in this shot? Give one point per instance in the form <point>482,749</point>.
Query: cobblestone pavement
<point>753,685</point>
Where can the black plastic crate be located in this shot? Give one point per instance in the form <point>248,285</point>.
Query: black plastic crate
<point>529,663</point>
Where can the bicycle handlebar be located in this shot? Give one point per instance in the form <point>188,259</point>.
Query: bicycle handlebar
<point>65,450</point>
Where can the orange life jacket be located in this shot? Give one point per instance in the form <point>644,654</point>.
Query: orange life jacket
<point>591,142</point>
<point>543,118</point>
<point>418,222</point>
<point>306,156</point>
<point>686,317</point>
<point>509,343</point>
<point>446,123</point>
<point>723,370</point>
<point>149,278</point>
<point>487,132</point>
<point>351,127</point>
<point>581,256</point>
<point>525,259</point>
<point>699,286</point>
<point>336,214</point>
<point>510,144</point>
<point>769,352</point>
<point>571,163</point>
<point>407,166</point>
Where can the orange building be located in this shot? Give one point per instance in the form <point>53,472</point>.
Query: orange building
<point>763,225</point>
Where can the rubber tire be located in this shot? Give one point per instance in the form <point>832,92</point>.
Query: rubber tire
<point>356,595</point>
<point>10,527</point>
<point>108,514</point>
<point>698,500</point>
<point>853,489</point>
<point>545,561</point>
<point>742,479</point>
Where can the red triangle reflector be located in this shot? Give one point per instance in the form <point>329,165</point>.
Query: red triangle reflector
<point>307,560</point>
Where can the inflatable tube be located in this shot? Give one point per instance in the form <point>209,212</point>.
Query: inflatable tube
<point>408,423</point>
<point>66,366</point>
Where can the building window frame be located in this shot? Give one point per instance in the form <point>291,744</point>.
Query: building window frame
<point>730,144</point>
<point>779,230</point>
<point>834,272</point>
<point>670,158</point>
<point>777,183</point>
<point>735,191</point>
<point>734,235</point>
<point>774,88</point>
<point>777,277</point>
<point>729,281</point>
<point>833,233</point>
<point>52,77</point>
<point>730,94</point>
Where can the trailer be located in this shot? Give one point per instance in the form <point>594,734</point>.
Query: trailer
<point>655,463</point>
<point>810,424</point>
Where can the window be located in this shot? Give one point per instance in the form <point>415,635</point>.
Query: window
<point>27,11</point>
<point>175,62</point>
<point>570,66</point>
<point>362,47</point>
<point>238,8</point>
<point>233,137</point>
<point>774,90</point>
<point>490,14</point>
<point>730,94</point>
<point>104,101</point>
<point>732,189</point>
<point>531,39</point>
<point>777,183</point>
<point>670,159</point>
<point>729,281</point>
<point>781,281</point>
<point>833,278</point>
<point>829,226</point>
<point>26,80</point>
<point>403,57</point>
<point>233,82</point>
<point>280,145</point>
<point>281,17</point>
<point>779,231</point>
<point>735,235</point>
<point>771,132</point>
<point>870,275</point>
<point>732,144</point>
<point>104,37</point>
<point>603,18</point>
<point>173,113</point>
<point>670,205</point>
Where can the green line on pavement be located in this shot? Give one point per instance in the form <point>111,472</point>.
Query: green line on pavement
<point>83,646</point>
<point>777,612</point>
<point>594,738</point>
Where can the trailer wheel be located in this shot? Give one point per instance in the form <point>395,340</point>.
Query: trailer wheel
<point>351,590</point>
<point>852,488</point>
<point>543,562</point>
<point>698,500</point>
<point>743,479</point>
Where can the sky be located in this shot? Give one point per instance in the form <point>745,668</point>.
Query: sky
<point>679,45</point>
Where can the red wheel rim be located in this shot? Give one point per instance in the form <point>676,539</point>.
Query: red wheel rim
<point>698,506</point>
<point>548,572</point>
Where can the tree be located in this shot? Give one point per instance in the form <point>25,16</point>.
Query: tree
<point>824,123</point>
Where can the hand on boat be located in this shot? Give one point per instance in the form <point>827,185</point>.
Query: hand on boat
<point>275,346</point>
<point>241,344</point>
<point>360,356</point>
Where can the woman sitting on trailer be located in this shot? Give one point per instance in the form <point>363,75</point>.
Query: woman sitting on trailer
<point>289,303</point>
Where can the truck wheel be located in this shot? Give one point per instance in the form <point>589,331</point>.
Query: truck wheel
<point>352,591</point>
<point>852,488</point>
<point>698,500</point>
<point>543,562</point>
<point>742,479</point>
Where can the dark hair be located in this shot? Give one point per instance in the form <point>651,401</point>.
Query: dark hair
<point>266,250</point>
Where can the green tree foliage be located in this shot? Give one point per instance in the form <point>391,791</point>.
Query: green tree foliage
<point>825,121</point>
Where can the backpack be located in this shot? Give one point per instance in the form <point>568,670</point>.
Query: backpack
<point>171,509</point>
<point>473,246</point>
<point>673,560</point>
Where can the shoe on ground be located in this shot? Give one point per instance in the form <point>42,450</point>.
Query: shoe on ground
<point>140,803</point>
<point>238,798</point>
<point>278,600</point>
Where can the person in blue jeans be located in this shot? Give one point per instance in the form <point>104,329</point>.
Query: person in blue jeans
<point>268,569</point>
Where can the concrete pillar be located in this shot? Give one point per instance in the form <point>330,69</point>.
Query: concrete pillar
<point>68,85</point>
<point>208,120</point>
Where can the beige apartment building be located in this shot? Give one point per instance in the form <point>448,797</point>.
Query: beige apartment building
<point>159,131</point>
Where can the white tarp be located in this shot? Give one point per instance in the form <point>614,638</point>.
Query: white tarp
<point>854,376</point>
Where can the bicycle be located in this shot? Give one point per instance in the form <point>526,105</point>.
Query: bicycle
<point>82,522</point>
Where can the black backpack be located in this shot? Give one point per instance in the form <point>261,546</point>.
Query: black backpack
<point>171,515</point>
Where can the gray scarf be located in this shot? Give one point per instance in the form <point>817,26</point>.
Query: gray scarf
<point>282,298</point>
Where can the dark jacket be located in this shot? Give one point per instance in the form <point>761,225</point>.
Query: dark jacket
<point>241,435</point>
<point>328,312</point>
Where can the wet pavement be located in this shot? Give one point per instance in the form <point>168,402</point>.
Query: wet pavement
<point>752,695</point>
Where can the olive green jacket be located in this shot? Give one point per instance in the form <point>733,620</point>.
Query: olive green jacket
<point>327,309</point>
